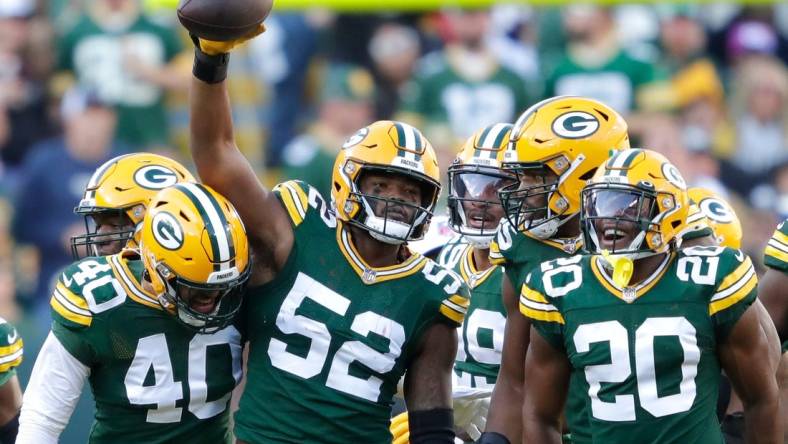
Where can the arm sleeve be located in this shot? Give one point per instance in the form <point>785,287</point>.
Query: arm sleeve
<point>545,317</point>
<point>51,395</point>
<point>736,292</point>
<point>776,253</point>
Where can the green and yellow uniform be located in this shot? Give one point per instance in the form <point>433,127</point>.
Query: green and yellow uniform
<point>331,336</point>
<point>479,353</point>
<point>643,358</point>
<point>518,253</point>
<point>776,254</point>
<point>11,350</point>
<point>153,379</point>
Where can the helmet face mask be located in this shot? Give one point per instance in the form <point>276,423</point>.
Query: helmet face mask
<point>223,301</point>
<point>102,242</point>
<point>474,208</point>
<point>527,200</point>
<point>399,206</point>
<point>617,218</point>
<point>387,218</point>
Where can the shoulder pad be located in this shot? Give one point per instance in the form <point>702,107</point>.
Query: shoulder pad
<point>302,202</point>
<point>85,288</point>
<point>776,253</point>
<point>456,297</point>
<point>11,347</point>
<point>733,272</point>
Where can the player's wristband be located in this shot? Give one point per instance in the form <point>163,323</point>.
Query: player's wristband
<point>434,426</point>
<point>9,430</point>
<point>492,438</point>
<point>209,68</point>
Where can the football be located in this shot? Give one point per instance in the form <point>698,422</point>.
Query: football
<point>222,20</point>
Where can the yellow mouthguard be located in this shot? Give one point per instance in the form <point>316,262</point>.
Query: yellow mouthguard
<point>623,267</point>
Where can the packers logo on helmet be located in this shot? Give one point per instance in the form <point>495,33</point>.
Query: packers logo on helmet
<point>167,231</point>
<point>386,148</point>
<point>193,242</point>
<point>121,189</point>
<point>635,206</point>
<point>554,148</point>
<point>575,125</point>
<point>155,177</point>
<point>475,177</point>
<point>716,213</point>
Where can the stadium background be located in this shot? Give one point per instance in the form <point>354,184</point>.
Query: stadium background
<point>84,80</point>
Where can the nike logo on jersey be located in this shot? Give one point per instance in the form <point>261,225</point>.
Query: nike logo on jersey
<point>740,255</point>
<point>12,337</point>
<point>67,280</point>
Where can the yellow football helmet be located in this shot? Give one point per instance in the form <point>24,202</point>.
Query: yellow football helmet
<point>124,185</point>
<point>637,191</point>
<point>385,147</point>
<point>475,177</point>
<point>718,215</point>
<point>554,148</point>
<point>192,240</point>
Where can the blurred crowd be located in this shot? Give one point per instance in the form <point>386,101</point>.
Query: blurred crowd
<point>84,80</point>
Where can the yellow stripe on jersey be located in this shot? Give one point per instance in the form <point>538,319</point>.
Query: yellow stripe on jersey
<point>496,258</point>
<point>11,355</point>
<point>79,302</point>
<point>777,248</point>
<point>455,308</point>
<point>294,199</point>
<point>735,287</point>
<point>535,306</point>
<point>736,275</point>
<point>533,295</point>
<point>64,308</point>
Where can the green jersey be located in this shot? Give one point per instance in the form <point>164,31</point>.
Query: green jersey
<point>614,83</point>
<point>519,252</point>
<point>97,57</point>
<point>10,351</point>
<point>479,352</point>
<point>331,336</point>
<point>441,93</point>
<point>776,254</point>
<point>153,379</point>
<point>643,358</point>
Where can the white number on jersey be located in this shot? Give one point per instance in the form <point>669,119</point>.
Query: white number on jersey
<point>152,352</point>
<point>619,369</point>
<point>320,337</point>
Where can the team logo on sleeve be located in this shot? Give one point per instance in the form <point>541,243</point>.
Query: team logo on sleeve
<point>673,175</point>
<point>715,210</point>
<point>355,139</point>
<point>575,125</point>
<point>167,231</point>
<point>155,177</point>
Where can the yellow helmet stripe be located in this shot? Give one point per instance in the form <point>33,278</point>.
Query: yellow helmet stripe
<point>215,224</point>
<point>617,165</point>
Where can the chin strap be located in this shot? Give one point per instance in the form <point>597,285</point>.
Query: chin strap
<point>623,267</point>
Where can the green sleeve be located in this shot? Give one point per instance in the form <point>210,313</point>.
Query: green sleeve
<point>542,310</point>
<point>737,289</point>
<point>76,342</point>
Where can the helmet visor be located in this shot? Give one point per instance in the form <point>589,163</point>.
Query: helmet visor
<point>616,219</point>
<point>474,206</point>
